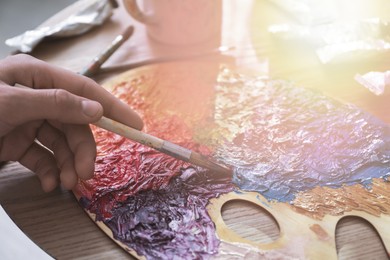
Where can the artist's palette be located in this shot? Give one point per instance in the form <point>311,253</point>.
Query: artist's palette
<point>305,158</point>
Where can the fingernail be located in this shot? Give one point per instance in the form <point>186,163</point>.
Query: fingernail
<point>90,108</point>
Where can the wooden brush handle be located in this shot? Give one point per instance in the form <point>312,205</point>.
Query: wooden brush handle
<point>144,138</point>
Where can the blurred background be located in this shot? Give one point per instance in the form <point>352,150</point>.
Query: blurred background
<point>18,16</point>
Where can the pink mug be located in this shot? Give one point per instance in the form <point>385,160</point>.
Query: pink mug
<point>178,22</point>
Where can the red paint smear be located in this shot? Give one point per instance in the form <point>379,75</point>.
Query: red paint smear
<point>124,168</point>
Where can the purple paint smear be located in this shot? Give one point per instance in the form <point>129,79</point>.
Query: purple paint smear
<point>171,222</point>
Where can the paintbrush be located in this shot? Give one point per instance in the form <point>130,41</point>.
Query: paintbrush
<point>97,62</point>
<point>163,146</point>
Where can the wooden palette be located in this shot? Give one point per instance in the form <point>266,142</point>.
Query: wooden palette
<point>187,92</point>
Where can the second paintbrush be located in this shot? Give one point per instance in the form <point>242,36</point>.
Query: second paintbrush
<point>97,62</point>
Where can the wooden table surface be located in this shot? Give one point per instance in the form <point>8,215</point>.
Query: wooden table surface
<point>58,224</point>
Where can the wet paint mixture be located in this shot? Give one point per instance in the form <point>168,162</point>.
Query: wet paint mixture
<point>289,144</point>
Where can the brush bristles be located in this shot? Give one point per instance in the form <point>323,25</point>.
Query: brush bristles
<point>202,161</point>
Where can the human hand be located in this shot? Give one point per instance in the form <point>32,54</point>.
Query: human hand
<point>44,126</point>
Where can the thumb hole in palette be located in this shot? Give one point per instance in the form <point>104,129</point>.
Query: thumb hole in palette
<point>352,235</point>
<point>250,221</point>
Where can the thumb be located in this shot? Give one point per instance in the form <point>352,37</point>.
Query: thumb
<point>53,104</point>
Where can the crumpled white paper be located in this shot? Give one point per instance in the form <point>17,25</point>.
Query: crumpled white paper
<point>374,81</point>
<point>92,13</point>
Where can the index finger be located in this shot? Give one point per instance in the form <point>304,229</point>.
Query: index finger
<point>30,72</point>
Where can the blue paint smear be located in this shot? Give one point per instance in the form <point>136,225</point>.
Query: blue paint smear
<point>288,139</point>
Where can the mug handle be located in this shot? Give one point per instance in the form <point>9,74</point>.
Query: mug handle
<point>133,9</point>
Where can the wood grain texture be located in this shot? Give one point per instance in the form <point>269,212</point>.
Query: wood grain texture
<point>277,226</point>
<point>256,224</point>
